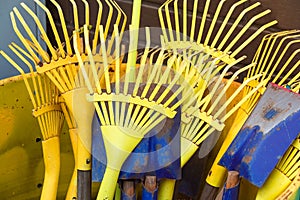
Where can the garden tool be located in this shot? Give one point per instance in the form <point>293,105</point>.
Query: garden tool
<point>126,114</point>
<point>205,113</point>
<point>270,59</point>
<point>47,111</point>
<point>265,137</point>
<point>283,174</point>
<point>61,67</point>
<point>191,34</point>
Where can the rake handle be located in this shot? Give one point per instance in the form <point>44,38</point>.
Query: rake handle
<point>84,188</point>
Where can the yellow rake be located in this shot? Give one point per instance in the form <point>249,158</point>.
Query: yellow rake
<point>61,66</point>
<point>47,110</point>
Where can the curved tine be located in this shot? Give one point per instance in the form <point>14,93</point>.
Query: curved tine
<point>295,80</point>
<point>263,59</point>
<point>297,88</point>
<point>124,20</point>
<point>81,64</point>
<point>161,20</point>
<point>76,19</point>
<point>109,17</point>
<point>143,62</point>
<point>17,67</point>
<point>43,53</point>
<point>23,40</point>
<point>22,51</point>
<point>225,21</point>
<point>96,35</point>
<point>236,92</point>
<point>213,22</point>
<point>274,67</point>
<point>253,36</point>
<point>193,23</point>
<point>91,59</point>
<point>64,27</point>
<point>87,12</point>
<point>118,64</point>
<point>169,22</point>
<point>105,63</point>
<point>201,29</point>
<point>245,28</point>
<point>117,22</point>
<point>270,63</point>
<point>245,98</point>
<point>56,35</point>
<point>286,76</point>
<point>222,75</point>
<point>42,30</point>
<point>176,19</point>
<point>236,22</point>
<point>228,84</point>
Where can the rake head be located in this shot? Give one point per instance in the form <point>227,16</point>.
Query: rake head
<point>219,34</point>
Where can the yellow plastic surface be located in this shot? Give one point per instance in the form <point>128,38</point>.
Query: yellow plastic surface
<point>21,158</point>
<point>51,154</point>
<point>276,183</point>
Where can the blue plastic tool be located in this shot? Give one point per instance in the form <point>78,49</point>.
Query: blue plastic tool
<point>266,135</point>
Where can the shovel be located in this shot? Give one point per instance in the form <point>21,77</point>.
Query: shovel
<point>266,135</point>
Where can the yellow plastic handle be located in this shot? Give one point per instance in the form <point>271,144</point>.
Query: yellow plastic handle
<point>51,153</point>
<point>276,183</point>
<point>72,190</point>
<point>218,173</point>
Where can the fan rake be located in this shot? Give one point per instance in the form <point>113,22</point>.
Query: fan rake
<point>61,66</point>
<point>47,110</point>
<point>131,110</point>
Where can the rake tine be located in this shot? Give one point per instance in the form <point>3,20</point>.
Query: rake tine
<point>76,19</point>
<point>225,21</point>
<point>44,55</point>
<point>201,29</point>
<point>87,12</point>
<point>17,67</point>
<point>81,64</point>
<point>252,37</point>
<point>109,17</point>
<point>64,27</point>
<point>286,76</point>
<point>91,58</point>
<point>274,67</point>
<point>124,19</point>
<point>295,80</point>
<point>273,57</point>
<point>230,81</point>
<point>53,26</point>
<point>213,23</point>
<point>106,74</point>
<point>194,17</point>
<point>117,72</point>
<point>99,16</point>
<point>23,40</point>
<point>161,19</point>
<point>240,88</point>
<point>236,22</point>
<point>245,28</point>
<point>42,30</point>
<point>31,72</point>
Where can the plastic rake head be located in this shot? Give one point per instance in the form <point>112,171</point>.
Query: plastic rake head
<point>60,65</point>
<point>207,109</point>
<point>222,36</point>
<point>128,110</point>
<point>43,95</point>
<point>278,58</point>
